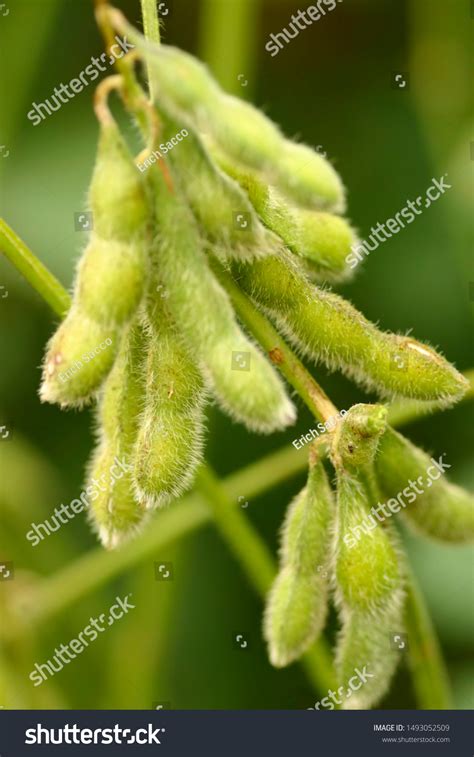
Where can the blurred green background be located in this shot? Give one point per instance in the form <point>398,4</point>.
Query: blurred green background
<point>333,87</point>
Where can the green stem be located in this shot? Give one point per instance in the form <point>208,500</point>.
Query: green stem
<point>33,270</point>
<point>430,678</point>
<point>56,593</point>
<point>252,553</point>
<point>151,28</point>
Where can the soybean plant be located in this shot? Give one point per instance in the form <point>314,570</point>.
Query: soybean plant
<point>149,280</point>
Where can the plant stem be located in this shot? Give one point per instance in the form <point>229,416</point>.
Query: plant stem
<point>254,556</point>
<point>33,270</point>
<point>151,27</point>
<point>54,594</point>
<point>430,678</point>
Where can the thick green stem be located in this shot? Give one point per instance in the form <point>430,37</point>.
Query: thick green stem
<point>33,270</point>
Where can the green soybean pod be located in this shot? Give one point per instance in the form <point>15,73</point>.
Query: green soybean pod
<point>169,444</point>
<point>115,512</point>
<point>224,213</point>
<point>78,357</point>
<point>365,653</point>
<point>117,195</point>
<point>369,594</point>
<point>297,604</point>
<point>415,485</point>
<point>327,328</point>
<point>110,281</point>
<point>368,575</point>
<point>235,371</point>
<point>323,240</point>
<point>240,129</point>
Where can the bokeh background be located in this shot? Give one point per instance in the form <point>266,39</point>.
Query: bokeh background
<point>333,87</point>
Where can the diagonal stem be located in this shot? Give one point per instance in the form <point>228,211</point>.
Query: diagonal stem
<point>36,274</point>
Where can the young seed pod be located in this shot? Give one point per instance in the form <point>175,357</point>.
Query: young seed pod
<point>110,280</point>
<point>369,595</point>
<point>169,444</point>
<point>297,603</point>
<point>328,328</point>
<point>117,192</point>
<point>240,377</point>
<point>321,239</point>
<point>368,577</point>
<point>78,357</point>
<point>364,646</point>
<point>225,215</point>
<point>415,485</point>
<point>115,512</point>
<point>241,130</point>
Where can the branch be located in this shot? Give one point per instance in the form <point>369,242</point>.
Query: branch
<point>36,274</point>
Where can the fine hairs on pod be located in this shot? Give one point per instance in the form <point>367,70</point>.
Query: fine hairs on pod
<point>297,604</point>
<point>109,282</point>
<point>235,371</point>
<point>368,575</point>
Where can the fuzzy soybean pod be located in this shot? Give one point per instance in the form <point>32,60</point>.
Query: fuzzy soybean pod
<point>115,513</point>
<point>225,215</point>
<point>368,574</point>
<point>246,134</point>
<point>169,445</point>
<point>323,240</point>
<point>112,271</point>
<point>297,604</point>
<point>235,371</point>
<point>327,328</point>
<point>415,485</point>
<point>109,282</point>
<point>78,357</point>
